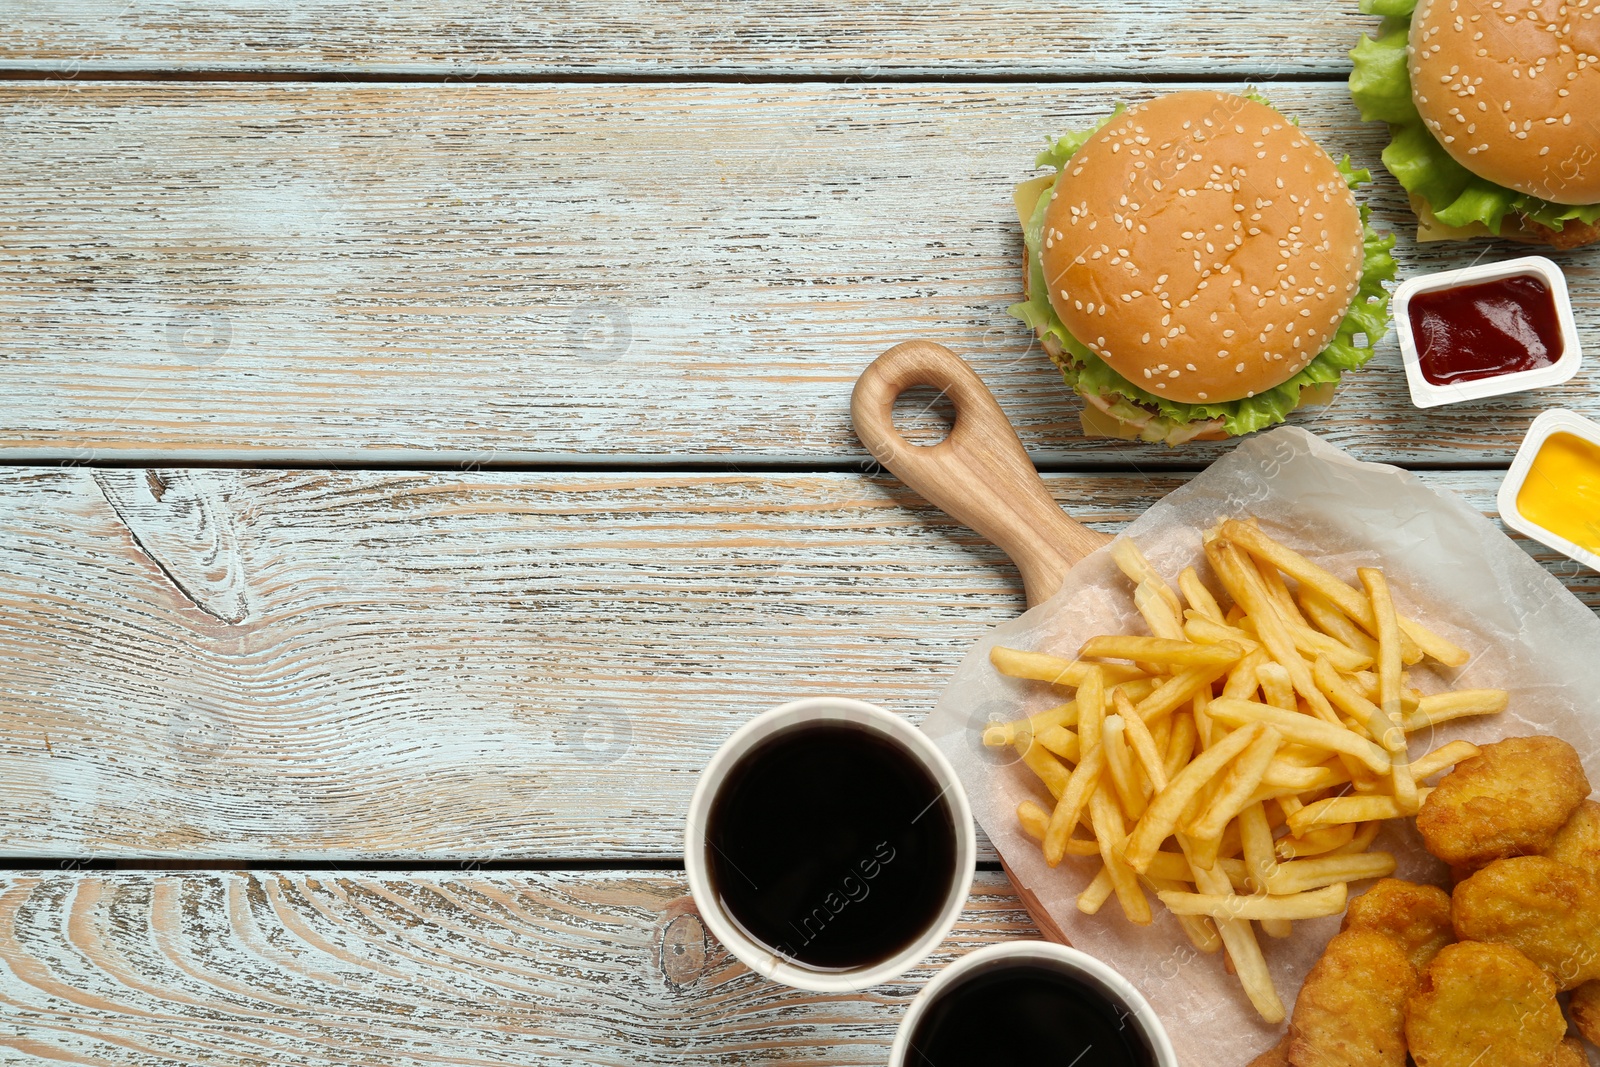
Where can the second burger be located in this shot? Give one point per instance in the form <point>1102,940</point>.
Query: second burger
<point>1198,267</point>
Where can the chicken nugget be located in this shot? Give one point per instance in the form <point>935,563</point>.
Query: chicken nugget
<point>1480,1004</point>
<point>1508,800</point>
<point>1568,1054</point>
<point>1351,1010</point>
<point>1578,842</point>
<point>1548,911</point>
<point>1276,1056</point>
<point>1585,1010</point>
<point>1416,916</point>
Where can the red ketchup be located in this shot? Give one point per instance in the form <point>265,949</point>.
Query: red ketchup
<point>1485,330</point>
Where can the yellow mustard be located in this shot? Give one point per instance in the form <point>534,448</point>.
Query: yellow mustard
<point>1562,490</point>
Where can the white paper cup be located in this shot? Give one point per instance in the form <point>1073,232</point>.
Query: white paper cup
<point>760,958</point>
<point>1136,1011</point>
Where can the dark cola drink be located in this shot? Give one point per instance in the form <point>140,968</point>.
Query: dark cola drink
<point>832,846</point>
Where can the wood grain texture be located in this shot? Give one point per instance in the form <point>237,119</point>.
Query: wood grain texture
<point>602,968</point>
<point>934,38</point>
<point>215,664</point>
<point>978,474</point>
<point>353,274</point>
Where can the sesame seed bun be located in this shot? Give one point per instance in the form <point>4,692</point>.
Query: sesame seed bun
<point>1511,89</point>
<point>1202,246</point>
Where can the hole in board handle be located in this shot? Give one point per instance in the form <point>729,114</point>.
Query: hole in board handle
<point>924,416</point>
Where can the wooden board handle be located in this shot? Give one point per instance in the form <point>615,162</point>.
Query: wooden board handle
<point>979,474</point>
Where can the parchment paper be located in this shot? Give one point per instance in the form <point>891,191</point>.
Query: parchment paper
<point>1450,568</point>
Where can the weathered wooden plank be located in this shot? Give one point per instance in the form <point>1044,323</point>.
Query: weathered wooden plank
<point>329,968</point>
<point>932,38</point>
<point>308,665</point>
<point>347,274</point>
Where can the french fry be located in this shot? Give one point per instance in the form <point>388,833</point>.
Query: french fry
<point>1096,893</point>
<point>1160,819</point>
<point>1233,841</point>
<point>1312,904</point>
<point>998,735</point>
<point>1062,741</point>
<point>1200,930</point>
<point>1442,707</point>
<point>1302,755</point>
<point>1033,819</point>
<point>1389,666</point>
<point>1342,595</point>
<point>1181,653</point>
<point>1276,686</point>
<point>1109,831</point>
<point>1361,839</point>
<point>1159,608</point>
<point>1272,578</point>
<point>1394,737</point>
<point>1237,874</point>
<point>1323,613</point>
<point>1172,866</point>
<point>1244,583</point>
<point>1312,643</point>
<point>1242,680</point>
<point>1284,775</point>
<point>1315,843</point>
<point>1442,757</point>
<point>1366,683</point>
<point>1298,876</point>
<point>1347,699</point>
<point>1256,836</point>
<point>1119,764</point>
<point>1177,690</point>
<point>1133,564</point>
<point>1070,806</point>
<point>1143,744</point>
<point>1202,630</point>
<point>1077,846</point>
<point>1043,667</point>
<point>1349,809</point>
<point>1244,953</point>
<point>1309,640</point>
<point>1159,731</point>
<point>1205,832</point>
<point>1091,709</point>
<point>1180,745</point>
<point>1279,793</point>
<point>1198,596</point>
<point>1302,729</point>
<point>1213,940</point>
<point>1043,763</point>
<point>1202,719</point>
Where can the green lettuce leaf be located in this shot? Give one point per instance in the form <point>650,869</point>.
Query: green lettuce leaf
<point>1056,156</point>
<point>1380,85</point>
<point>1087,374</point>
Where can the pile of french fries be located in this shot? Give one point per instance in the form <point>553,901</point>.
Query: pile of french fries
<point>1266,743</point>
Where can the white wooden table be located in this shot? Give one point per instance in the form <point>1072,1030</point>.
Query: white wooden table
<point>425,438</point>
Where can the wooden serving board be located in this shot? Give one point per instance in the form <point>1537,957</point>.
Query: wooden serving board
<point>979,474</point>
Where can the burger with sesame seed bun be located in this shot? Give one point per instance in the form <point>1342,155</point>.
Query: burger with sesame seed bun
<point>1493,108</point>
<point>1198,268</point>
